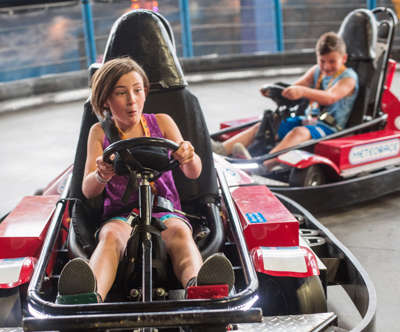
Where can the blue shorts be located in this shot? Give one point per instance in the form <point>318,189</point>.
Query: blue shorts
<point>316,131</point>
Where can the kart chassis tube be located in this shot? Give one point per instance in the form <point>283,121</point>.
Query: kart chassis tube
<point>343,193</point>
<point>305,144</point>
<point>357,283</point>
<point>48,315</point>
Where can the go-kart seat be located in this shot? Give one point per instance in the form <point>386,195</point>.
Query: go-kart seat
<point>367,48</point>
<point>168,94</point>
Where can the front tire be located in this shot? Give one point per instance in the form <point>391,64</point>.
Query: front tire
<point>10,308</point>
<point>307,177</point>
<point>291,296</point>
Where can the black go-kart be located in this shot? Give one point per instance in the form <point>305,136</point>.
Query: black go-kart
<point>289,269</point>
<point>357,163</point>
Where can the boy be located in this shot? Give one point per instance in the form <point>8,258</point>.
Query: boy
<point>331,88</point>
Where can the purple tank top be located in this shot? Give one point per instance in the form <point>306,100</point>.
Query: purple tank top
<point>115,189</point>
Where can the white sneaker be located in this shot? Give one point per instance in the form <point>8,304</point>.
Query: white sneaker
<point>239,151</point>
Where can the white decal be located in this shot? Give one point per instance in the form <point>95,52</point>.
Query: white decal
<point>286,260</point>
<point>10,270</point>
<point>294,157</point>
<point>374,151</point>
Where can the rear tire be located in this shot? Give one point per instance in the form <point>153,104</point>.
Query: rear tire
<point>307,177</point>
<point>291,296</point>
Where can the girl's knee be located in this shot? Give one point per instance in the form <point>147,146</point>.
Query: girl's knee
<point>176,230</point>
<point>113,235</point>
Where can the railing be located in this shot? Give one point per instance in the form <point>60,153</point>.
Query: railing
<point>39,37</point>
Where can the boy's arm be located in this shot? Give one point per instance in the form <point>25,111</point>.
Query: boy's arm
<point>302,89</point>
<point>306,79</point>
<point>189,161</point>
<point>341,89</point>
<point>296,91</point>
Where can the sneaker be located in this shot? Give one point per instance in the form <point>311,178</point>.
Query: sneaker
<point>239,151</point>
<point>77,284</point>
<point>216,270</point>
<point>218,148</point>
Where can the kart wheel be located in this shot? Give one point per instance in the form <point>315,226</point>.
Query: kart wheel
<point>291,296</point>
<point>307,177</point>
<point>10,308</point>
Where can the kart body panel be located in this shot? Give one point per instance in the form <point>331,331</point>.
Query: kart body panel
<point>299,261</point>
<point>20,236</point>
<point>303,159</point>
<point>265,221</point>
<point>16,271</point>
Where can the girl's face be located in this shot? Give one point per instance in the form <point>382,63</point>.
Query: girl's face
<point>127,100</point>
<point>331,63</point>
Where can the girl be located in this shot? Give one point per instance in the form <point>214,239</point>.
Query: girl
<point>120,88</point>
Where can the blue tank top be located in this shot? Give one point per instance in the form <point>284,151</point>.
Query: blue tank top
<point>342,108</point>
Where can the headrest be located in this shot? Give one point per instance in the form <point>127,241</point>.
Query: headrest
<point>147,38</point>
<point>359,32</point>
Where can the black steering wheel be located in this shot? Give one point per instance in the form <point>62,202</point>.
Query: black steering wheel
<point>141,154</point>
<point>274,92</point>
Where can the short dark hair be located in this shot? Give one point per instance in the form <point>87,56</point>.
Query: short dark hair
<point>105,78</point>
<point>330,42</point>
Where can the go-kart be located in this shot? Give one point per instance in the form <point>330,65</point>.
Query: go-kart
<point>286,263</point>
<point>357,163</point>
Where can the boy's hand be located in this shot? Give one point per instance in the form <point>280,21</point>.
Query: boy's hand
<point>185,153</point>
<point>293,92</point>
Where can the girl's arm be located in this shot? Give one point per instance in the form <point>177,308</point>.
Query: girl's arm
<point>189,161</point>
<point>97,172</point>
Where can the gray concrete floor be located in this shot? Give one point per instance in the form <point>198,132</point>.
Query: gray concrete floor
<point>39,143</point>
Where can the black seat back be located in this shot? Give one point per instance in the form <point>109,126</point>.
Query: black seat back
<point>359,31</point>
<point>368,47</point>
<point>85,217</point>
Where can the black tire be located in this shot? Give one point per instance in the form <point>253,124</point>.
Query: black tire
<point>10,308</point>
<point>307,177</point>
<point>291,296</point>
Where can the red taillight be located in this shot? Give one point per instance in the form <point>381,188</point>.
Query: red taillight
<point>207,292</point>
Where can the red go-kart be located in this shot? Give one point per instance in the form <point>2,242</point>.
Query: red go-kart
<point>361,161</point>
<point>286,263</point>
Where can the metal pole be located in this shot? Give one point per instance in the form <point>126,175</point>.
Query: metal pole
<point>145,209</point>
<point>371,4</point>
<point>187,45</point>
<point>278,26</point>
<point>89,32</point>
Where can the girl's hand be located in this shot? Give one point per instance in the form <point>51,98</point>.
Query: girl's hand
<point>104,170</point>
<point>293,92</point>
<point>185,153</point>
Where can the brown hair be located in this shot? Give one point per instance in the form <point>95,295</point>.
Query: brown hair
<point>105,78</point>
<point>330,42</point>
